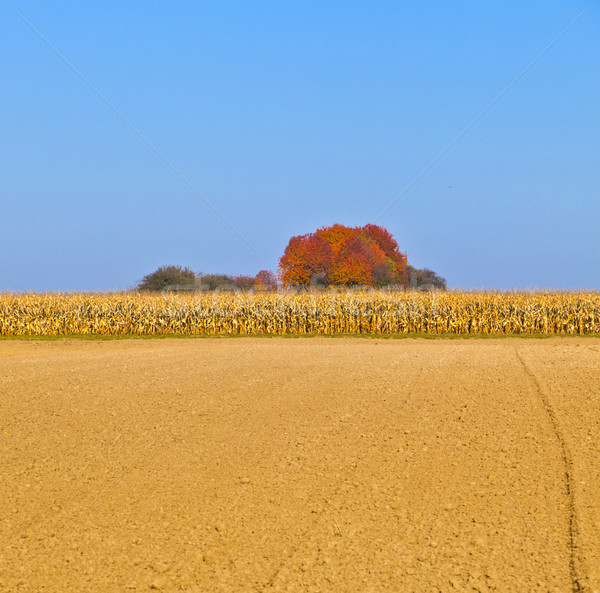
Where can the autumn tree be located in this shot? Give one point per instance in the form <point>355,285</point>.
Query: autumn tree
<point>265,280</point>
<point>304,257</point>
<point>344,256</point>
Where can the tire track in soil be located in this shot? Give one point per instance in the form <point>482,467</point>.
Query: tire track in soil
<point>576,565</point>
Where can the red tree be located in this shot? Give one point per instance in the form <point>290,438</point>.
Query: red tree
<point>305,257</point>
<point>265,280</point>
<point>345,256</point>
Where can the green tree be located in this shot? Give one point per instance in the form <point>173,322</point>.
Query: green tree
<point>215,281</point>
<point>168,276</point>
<point>425,279</point>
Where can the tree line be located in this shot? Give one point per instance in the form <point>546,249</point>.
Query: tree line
<point>334,256</point>
<point>178,278</point>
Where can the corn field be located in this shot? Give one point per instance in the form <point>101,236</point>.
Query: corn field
<point>373,312</point>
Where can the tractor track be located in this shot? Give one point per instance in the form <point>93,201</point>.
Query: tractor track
<point>576,564</point>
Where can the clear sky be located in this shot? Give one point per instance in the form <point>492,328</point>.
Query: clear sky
<point>288,116</point>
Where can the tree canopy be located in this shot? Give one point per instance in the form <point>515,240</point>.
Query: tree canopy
<point>425,279</point>
<point>167,276</point>
<point>344,256</point>
<point>331,256</point>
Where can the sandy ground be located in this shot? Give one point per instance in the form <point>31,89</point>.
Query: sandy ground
<point>341,465</point>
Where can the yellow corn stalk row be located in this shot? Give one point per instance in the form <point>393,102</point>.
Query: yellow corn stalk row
<point>372,312</point>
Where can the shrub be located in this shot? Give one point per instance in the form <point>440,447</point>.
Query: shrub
<point>167,276</point>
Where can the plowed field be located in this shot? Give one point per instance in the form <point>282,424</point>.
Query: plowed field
<point>325,465</point>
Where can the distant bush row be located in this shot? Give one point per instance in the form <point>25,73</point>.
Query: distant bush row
<point>178,278</point>
<point>169,278</point>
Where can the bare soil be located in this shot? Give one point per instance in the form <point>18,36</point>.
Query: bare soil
<point>325,465</point>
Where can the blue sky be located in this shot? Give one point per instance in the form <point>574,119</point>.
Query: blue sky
<point>288,116</point>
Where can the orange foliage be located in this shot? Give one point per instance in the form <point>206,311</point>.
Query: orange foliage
<point>305,257</point>
<point>340,255</point>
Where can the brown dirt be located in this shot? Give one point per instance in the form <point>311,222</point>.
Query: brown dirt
<point>342,465</point>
